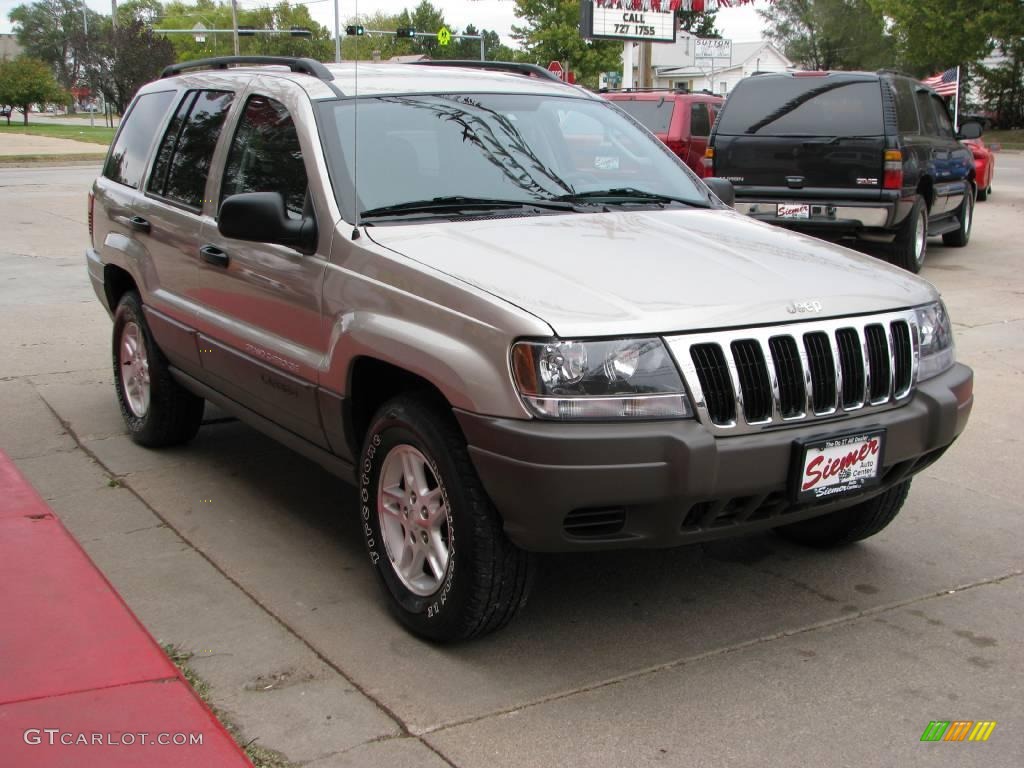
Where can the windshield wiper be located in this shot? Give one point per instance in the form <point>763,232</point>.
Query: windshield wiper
<point>460,203</point>
<point>627,195</point>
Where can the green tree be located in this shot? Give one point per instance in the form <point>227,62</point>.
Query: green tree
<point>830,34</point>
<point>214,15</point>
<point>126,59</point>
<point>551,33</point>
<point>699,23</point>
<point>52,31</point>
<point>933,35</point>
<point>25,81</point>
<point>1002,85</point>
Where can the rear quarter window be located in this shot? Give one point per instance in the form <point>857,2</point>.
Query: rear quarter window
<point>127,160</point>
<point>803,106</point>
<point>906,112</point>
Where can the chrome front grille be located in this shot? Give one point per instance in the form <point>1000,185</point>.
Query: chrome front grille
<point>745,380</point>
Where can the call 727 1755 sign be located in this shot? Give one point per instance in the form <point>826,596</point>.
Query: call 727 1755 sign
<point>620,20</point>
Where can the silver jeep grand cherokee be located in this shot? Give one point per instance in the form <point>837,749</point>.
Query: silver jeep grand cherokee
<point>508,315</point>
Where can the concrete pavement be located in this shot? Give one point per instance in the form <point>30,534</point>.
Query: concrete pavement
<point>738,653</point>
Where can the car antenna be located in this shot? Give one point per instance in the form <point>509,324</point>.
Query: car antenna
<point>355,138</point>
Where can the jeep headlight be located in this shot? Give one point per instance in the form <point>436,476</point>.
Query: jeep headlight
<point>938,353</point>
<point>617,379</point>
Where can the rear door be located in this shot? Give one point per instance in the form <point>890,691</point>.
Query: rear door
<point>700,118</point>
<point>172,211</point>
<point>817,134</point>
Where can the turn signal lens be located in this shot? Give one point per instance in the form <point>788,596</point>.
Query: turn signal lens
<point>708,163</point>
<point>892,176</point>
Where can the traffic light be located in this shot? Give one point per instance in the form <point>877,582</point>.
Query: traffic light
<point>355,29</point>
<point>405,32</point>
<point>246,32</point>
<point>301,32</point>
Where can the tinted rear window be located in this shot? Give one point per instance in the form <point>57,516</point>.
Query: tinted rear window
<point>127,160</point>
<point>654,114</point>
<point>906,112</point>
<point>803,106</point>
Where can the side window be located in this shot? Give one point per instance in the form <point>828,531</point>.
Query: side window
<point>924,108</point>
<point>700,122</point>
<point>942,114</point>
<point>906,112</point>
<point>265,155</point>
<point>127,160</point>
<point>183,160</point>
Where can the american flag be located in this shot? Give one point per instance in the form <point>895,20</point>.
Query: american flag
<point>945,83</point>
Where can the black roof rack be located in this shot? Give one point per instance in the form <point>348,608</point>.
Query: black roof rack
<point>305,66</point>
<point>531,70</point>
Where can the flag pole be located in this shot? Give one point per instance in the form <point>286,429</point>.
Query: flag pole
<point>956,102</point>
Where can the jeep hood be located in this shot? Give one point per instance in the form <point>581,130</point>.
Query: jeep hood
<point>662,271</point>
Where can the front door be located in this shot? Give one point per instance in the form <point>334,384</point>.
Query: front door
<point>262,342</point>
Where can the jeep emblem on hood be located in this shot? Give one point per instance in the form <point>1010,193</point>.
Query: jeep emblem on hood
<point>804,307</point>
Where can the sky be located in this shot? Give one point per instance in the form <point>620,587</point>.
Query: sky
<point>740,24</point>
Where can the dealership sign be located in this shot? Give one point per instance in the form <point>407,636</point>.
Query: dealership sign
<point>651,20</point>
<point>713,48</point>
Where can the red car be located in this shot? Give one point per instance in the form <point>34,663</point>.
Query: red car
<point>680,119</point>
<point>984,166</point>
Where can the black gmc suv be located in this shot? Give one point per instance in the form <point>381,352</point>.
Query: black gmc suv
<point>870,156</point>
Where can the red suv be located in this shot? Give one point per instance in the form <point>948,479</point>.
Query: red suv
<point>680,119</point>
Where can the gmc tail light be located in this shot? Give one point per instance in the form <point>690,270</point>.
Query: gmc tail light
<point>707,163</point>
<point>892,171</point>
<point>92,203</point>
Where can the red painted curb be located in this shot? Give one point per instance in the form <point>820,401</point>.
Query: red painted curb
<point>82,682</point>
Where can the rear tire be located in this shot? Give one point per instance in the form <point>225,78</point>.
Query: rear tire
<point>984,193</point>
<point>911,243</point>
<point>851,524</point>
<point>436,541</point>
<point>960,237</point>
<point>157,410</point>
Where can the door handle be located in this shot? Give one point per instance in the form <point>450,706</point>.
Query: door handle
<point>139,224</point>
<point>211,254</point>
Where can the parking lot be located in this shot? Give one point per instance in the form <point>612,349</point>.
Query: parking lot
<point>733,653</point>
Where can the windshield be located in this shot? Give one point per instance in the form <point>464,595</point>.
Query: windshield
<point>517,148</point>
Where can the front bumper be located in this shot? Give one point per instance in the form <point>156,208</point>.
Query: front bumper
<point>566,487</point>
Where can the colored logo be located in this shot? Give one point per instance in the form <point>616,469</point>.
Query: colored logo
<point>958,730</point>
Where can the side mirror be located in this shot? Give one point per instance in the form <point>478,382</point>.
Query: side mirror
<point>971,130</point>
<point>723,189</point>
<point>261,217</point>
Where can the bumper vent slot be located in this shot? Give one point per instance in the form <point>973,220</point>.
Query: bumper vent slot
<point>851,361</point>
<point>755,386</point>
<point>593,523</point>
<point>789,373</point>
<point>823,371</point>
<point>902,356</point>
<point>715,382</point>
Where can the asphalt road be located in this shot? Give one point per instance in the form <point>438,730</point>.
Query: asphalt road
<point>742,653</point>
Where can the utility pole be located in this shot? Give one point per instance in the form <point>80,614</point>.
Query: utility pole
<point>645,65</point>
<point>113,14</point>
<point>337,34</point>
<point>234,23</point>
<point>85,25</point>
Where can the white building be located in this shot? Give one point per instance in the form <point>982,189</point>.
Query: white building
<point>675,65</point>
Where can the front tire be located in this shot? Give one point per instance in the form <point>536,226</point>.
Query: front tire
<point>433,535</point>
<point>846,526</point>
<point>960,237</point>
<point>911,243</point>
<point>157,411</point>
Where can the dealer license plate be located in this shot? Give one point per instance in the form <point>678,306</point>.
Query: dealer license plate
<point>787,211</point>
<point>839,465</point>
